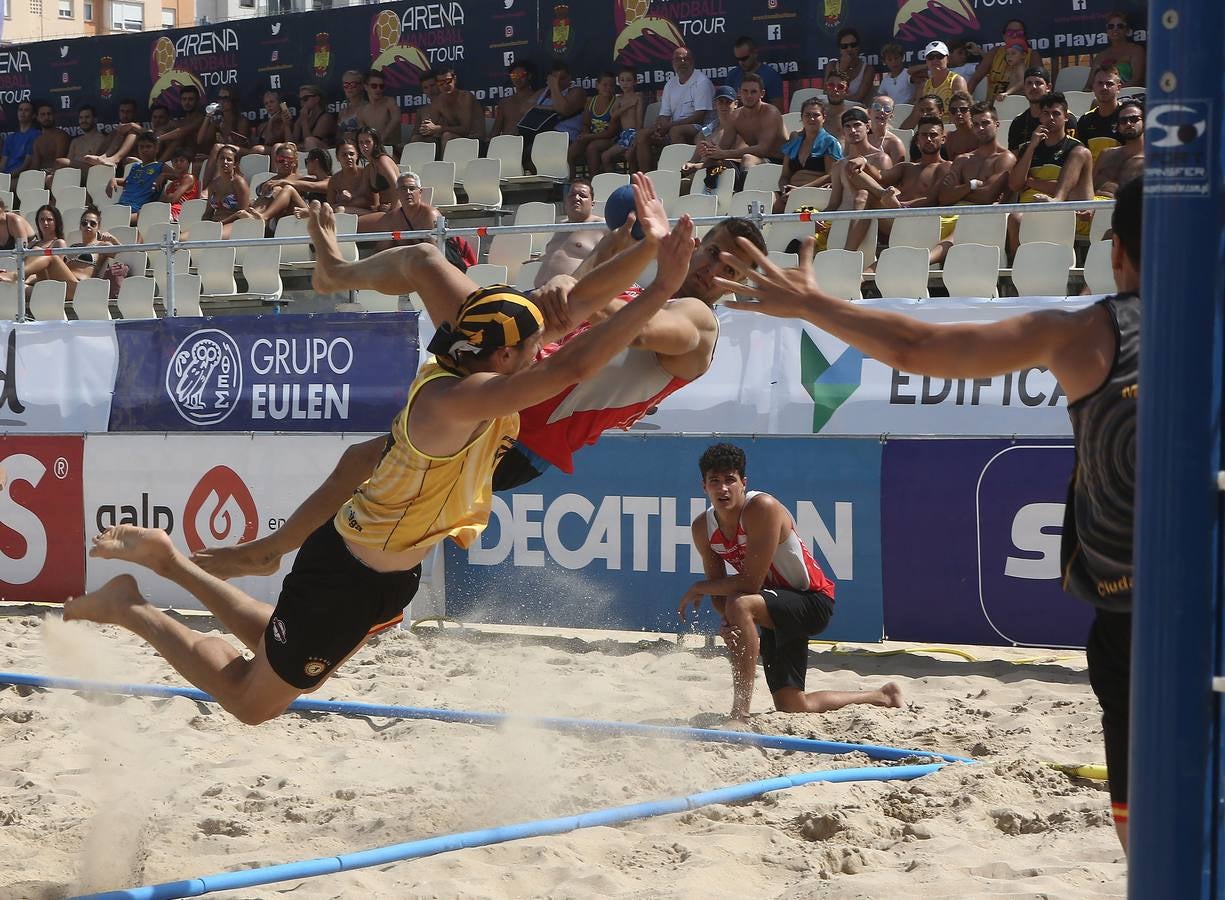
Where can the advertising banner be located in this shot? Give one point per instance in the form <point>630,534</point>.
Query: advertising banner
<point>971,533</point>
<point>783,376</point>
<point>340,372</point>
<point>204,491</point>
<point>56,377</point>
<point>481,37</point>
<point>41,523</point>
<point>610,546</point>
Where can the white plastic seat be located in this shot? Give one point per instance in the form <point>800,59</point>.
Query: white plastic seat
<point>486,274</point>
<point>988,228</point>
<point>1052,226</point>
<point>71,216</point>
<point>346,223</point>
<point>206,231</point>
<point>1134,91</point>
<point>69,195</point>
<point>1012,106</point>
<point>511,251</point>
<point>97,179</point>
<point>673,156</point>
<point>249,229</point>
<point>417,154</point>
<point>796,104</point>
<point>47,301</point>
<point>294,255</point>
<point>1071,78</point>
<point>12,300</point>
<point>527,275</point>
<point>667,184</point>
<point>549,151</point>
<point>1100,224</point>
<point>901,271</point>
<point>902,111</point>
<point>1079,102</point>
<point>9,201</point>
<point>972,270</point>
<point>905,135</point>
<point>742,201</point>
<point>816,197</point>
<point>915,231</point>
<point>5,181</point>
<point>509,149</point>
<point>1040,269</point>
<point>763,177</point>
<point>152,213</point>
<point>215,266</point>
<point>482,183</point>
<point>461,151</point>
<point>91,299</point>
<point>257,181</point>
<point>254,163</point>
<point>262,273</point>
<point>29,200</point>
<point>187,294</point>
<point>136,260</point>
<point>784,260</point>
<point>536,212</point>
<point>135,299</point>
<point>695,206</point>
<point>375,302</point>
<point>605,183</point>
<point>30,180</point>
<point>725,186</point>
<point>651,113</point>
<point>440,177</point>
<point>793,122</point>
<point>126,234</point>
<point>157,265</point>
<point>118,215</point>
<point>839,231</point>
<point>779,235</point>
<point>1099,271</point>
<point>840,273</point>
<point>190,213</point>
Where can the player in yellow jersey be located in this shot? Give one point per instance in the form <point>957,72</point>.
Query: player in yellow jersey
<point>356,573</point>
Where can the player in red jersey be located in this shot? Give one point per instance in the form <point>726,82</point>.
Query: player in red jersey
<point>776,586</point>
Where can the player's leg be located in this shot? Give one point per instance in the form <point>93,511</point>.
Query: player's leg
<point>743,613</point>
<point>1109,656</point>
<point>794,699</point>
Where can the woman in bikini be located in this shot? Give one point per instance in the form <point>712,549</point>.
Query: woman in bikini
<point>13,227</point>
<point>228,193</point>
<point>1122,52</point>
<point>50,226</point>
<point>355,98</point>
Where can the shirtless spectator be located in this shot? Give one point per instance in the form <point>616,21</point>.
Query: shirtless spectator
<point>355,98</point>
<point>229,195</point>
<point>880,114</point>
<point>121,143</point>
<point>185,130</point>
<point>348,185</point>
<point>226,127</point>
<point>748,62</point>
<point>380,112</point>
<point>511,109</point>
<point>51,143</point>
<point>315,127</point>
<point>566,250</point>
<point>904,186</point>
<point>962,139</point>
<point>89,142</point>
<point>757,132</point>
<point>1118,165</point>
<point>836,86</point>
<point>429,87</point>
<point>627,117</point>
<point>19,144</point>
<point>846,193</point>
<point>687,104</point>
<point>980,177</point>
<point>277,126</point>
<point>407,212</point>
<point>454,113</point>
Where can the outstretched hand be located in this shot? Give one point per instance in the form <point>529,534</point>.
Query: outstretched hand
<point>651,216</point>
<point>674,255</point>
<point>785,293</point>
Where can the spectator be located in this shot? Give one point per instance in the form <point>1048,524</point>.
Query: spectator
<point>227,127</point>
<point>1098,129</point>
<point>380,172</point>
<point>453,114</point>
<point>994,66</point>
<point>184,131</point>
<point>277,126</point>
<point>19,144</point>
<point>1037,86</point>
<point>1015,54</point>
<point>91,263</point>
<point>594,135</point>
<point>429,87</point>
<point>980,177</point>
<point>511,109</point>
<point>710,136</point>
<point>860,77</point>
<point>757,133</point>
<point>407,210</point>
<point>959,57</point>
<point>880,114</point>
<point>288,192</point>
<point>927,105</point>
<point>564,97</point>
<point>355,99</point>
<point>140,184</point>
<point>627,115</point>
<point>349,187</point>
<point>836,85</point>
<point>1122,52</point>
<point>89,142</point>
<point>51,143</point>
<point>809,156</point>
<point>940,81</point>
<point>49,228</point>
<point>687,104</point>
<point>229,195</point>
<point>749,63</point>
<point>176,185</point>
<point>15,228</point>
<point>315,127</point>
<point>845,194</point>
<point>963,138</point>
<point>1119,165</point>
<point>895,81</point>
<point>122,136</point>
<point>566,250</point>
<point>380,112</point>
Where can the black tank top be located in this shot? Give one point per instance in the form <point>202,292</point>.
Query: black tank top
<point>1098,519</point>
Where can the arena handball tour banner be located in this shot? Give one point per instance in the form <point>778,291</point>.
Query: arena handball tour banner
<point>334,373</point>
<point>481,37</point>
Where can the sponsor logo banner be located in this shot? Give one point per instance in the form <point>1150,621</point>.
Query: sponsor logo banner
<point>277,373</point>
<point>41,523</point>
<point>202,490</point>
<point>56,377</point>
<point>599,550</point>
<point>804,381</point>
<point>971,533</point>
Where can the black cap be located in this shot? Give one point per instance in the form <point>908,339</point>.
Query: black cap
<point>1038,72</point>
<point>855,114</point>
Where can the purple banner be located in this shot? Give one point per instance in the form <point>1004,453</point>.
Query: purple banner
<point>970,535</point>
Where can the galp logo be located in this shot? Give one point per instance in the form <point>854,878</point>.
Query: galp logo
<point>829,384</point>
<point>219,511</point>
<point>204,378</point>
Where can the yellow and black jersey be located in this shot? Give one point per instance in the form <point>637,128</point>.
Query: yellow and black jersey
<point>1047,163</point>
<point>1098,132</point>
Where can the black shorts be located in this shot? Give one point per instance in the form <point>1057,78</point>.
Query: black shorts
<point>330,602</point>
<point>797,616</point>
<point>1109,655</point>
<point>517,467</point>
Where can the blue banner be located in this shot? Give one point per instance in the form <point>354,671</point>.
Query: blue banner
<point>322,373</point>
<point>971,532</point>
<point>610,546</point>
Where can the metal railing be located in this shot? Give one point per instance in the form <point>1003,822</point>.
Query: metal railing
<point>442,231</point>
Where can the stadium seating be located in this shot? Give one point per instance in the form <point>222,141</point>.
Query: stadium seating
<point>91,299</point>
<point>1072,78</point>
<point>902,272</point>
<point>47,301</point>
<point>135,299</point>
<point>1040,269</point>
<point>972,270</point>
<point>486,274</point>
<point>840,273</point>
<point>1099,273</point>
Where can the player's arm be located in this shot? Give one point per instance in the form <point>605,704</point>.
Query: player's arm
<point>763,520</point>
<point>712,565</point>
<point>676,329</point>
<point>264,555</point>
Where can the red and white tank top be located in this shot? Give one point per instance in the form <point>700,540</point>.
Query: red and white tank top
<point>792,567</point>
<point>620,394</point>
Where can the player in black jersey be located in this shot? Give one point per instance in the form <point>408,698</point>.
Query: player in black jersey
<point>1094,353</point>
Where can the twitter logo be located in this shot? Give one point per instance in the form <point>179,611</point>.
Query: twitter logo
<point>63,50</point>
<point>507,4</point>
<point>276,27</point>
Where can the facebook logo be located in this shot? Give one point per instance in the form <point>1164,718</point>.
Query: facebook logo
<point>275,82</point>
<point>1079,4</point>
<point>508,57</point>
<point>774,32</point>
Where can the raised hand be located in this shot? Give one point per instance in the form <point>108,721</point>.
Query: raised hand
<point>674,255</point>
<point>785,293</point>
<point>651,215</point>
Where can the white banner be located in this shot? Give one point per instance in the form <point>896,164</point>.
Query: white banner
<point>204,490</point>
<point>783,376</point>
<point>57,377</point>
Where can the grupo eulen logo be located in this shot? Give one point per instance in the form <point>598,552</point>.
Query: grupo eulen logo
<point>204,378</point>
<point>219,511</point>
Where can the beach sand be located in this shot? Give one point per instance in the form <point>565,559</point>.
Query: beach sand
<point>104,792</point>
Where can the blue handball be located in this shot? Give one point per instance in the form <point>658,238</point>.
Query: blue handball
<point>618,206</point>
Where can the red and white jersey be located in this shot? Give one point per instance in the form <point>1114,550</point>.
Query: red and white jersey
<point>792,567</point>
<point>620,394</point>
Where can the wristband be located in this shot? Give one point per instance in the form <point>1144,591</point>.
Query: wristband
<point>975,184</point>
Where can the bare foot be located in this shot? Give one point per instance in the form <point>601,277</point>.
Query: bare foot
<point>109,605</point>
<point>149,547</point>
<point>321,226</point>
<point>893,695</point>
<point>252,558</point>
<point>737,723</point>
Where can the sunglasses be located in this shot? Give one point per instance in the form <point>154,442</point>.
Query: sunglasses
<point>1014,32</point>
<point>1130,119</point>
<point>375,87</point>
<point>881,107</point>
<point>350,83</point>
<point>744,58</point>
<point>446,80</point>
<point>959,109</point>
<point>850,46</point>
<point>1116,26</point>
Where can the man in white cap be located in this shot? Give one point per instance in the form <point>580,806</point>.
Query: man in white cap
<point>940,80</point>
